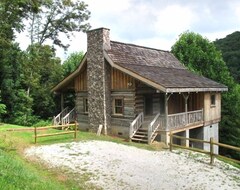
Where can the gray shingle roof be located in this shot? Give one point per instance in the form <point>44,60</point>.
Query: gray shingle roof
<point>159,66</point>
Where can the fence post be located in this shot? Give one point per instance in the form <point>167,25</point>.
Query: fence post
<point>35,134</point>
<point>211,151</point>
<point>171,140</point>
<point>75,134</point>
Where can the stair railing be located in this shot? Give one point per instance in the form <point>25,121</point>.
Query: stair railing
<point>152,127</point>
<point>58,118</point>
<point>70,116</point>
<point>136,124</point>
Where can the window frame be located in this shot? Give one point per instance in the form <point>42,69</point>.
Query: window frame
<point>213,100</point>
<point>114,106</point>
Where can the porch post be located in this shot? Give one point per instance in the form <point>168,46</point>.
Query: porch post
<point>167,96</point>
<point>165,135</point>
<point>186,96</point>
<point>62,101</point>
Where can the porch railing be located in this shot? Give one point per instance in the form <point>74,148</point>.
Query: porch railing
<point>136,124</point>
<point>152,127</point>
<point>58,118</point>
<point>182,119</point>
<point>69,117</point>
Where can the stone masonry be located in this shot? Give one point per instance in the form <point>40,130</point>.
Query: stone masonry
<point>99,101</point>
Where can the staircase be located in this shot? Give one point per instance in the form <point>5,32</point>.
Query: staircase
<point>65,117</point>
<point>146,133</point>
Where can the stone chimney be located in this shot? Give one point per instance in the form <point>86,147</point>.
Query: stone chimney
<point>99,89</point>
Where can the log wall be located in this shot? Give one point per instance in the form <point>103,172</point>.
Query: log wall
<point>120,80</point>
<point>80,82</point>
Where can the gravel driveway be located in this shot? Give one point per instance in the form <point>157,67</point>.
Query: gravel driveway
<point>117,166</point>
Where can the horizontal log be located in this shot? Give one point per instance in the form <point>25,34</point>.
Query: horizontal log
<point>54,134</point>
<point>224,157</point>
<point>227,146</point>
<point>190,148</point>
<point>190,139</point>
<point>56,126</point>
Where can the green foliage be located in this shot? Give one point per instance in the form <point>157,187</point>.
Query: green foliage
<point>2,108</point>
<point>41,72</point>
<point>202,57</point>
<point>70,65</point>
<point>230,48</point>
<point>57,18</point>
<point>72,62</point>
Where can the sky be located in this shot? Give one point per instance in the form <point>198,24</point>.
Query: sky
<point>157,23</point>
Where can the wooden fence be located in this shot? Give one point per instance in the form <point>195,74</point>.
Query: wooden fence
<point>63,127</point>
<point>210,153</point>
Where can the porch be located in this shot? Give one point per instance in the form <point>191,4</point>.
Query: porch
<point>147,133</point>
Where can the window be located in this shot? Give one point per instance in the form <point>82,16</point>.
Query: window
<point>85,105</point>
<point>118,106</point>
<point>213,100</point>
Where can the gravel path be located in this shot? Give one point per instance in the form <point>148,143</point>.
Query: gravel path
<point>117,166</point>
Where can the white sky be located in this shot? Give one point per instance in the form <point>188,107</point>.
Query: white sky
<point>157,23</point>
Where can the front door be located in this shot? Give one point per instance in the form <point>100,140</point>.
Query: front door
<point>148,105</point>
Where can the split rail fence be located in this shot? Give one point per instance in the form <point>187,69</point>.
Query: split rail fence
<point>210,153</point>
<point>61,132</point>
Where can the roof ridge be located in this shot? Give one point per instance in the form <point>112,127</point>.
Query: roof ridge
<point>184,68</point>
<point>141,46</point>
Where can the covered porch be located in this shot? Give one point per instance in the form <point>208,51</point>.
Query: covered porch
<point>168,112</point>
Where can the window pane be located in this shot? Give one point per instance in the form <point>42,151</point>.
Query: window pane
<point>118,106</point>
<point>213,99</point>
<point>118,102</point>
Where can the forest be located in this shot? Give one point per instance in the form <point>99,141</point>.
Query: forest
<point>27,76</point>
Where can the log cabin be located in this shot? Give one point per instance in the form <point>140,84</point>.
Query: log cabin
<point>141,93</point>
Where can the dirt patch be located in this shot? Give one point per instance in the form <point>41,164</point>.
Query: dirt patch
<point>115,166</point>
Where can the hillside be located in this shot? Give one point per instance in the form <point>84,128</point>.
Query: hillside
<point>230,47</point>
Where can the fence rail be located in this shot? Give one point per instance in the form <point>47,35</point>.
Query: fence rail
<point>211,143</point>
<point>36,129</point>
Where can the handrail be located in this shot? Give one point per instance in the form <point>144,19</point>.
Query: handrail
<point>66,119</point>
<point>152,127</point>
<point>136,124</point>
<point>58,118</point>
<point>185,118</point>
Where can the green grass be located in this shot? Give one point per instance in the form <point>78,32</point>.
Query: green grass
<point>18,173</point>
<point>15,174</point>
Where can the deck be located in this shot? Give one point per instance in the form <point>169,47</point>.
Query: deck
<point>180,120</point>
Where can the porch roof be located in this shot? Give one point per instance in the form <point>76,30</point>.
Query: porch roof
<point>158,68</point>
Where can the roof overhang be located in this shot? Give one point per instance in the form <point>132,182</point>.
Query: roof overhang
<point>158,86</point>
<point>70,77</point>
<point>134,75</point>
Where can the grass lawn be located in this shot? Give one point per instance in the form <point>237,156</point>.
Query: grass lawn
<point>19,173</point>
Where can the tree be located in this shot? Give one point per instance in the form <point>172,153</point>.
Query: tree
<point>58,18</point>
<point>230,48</point>
<point>41,77</point>
<point>72,62</point>
<point>202,57</point>
<point>2,108</point>
<point>70,65</point>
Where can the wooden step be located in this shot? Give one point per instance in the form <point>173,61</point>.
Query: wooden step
<point>140,136</point>
<point>141,133</point>
<point>142,130</point>
<point>139,140</point>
